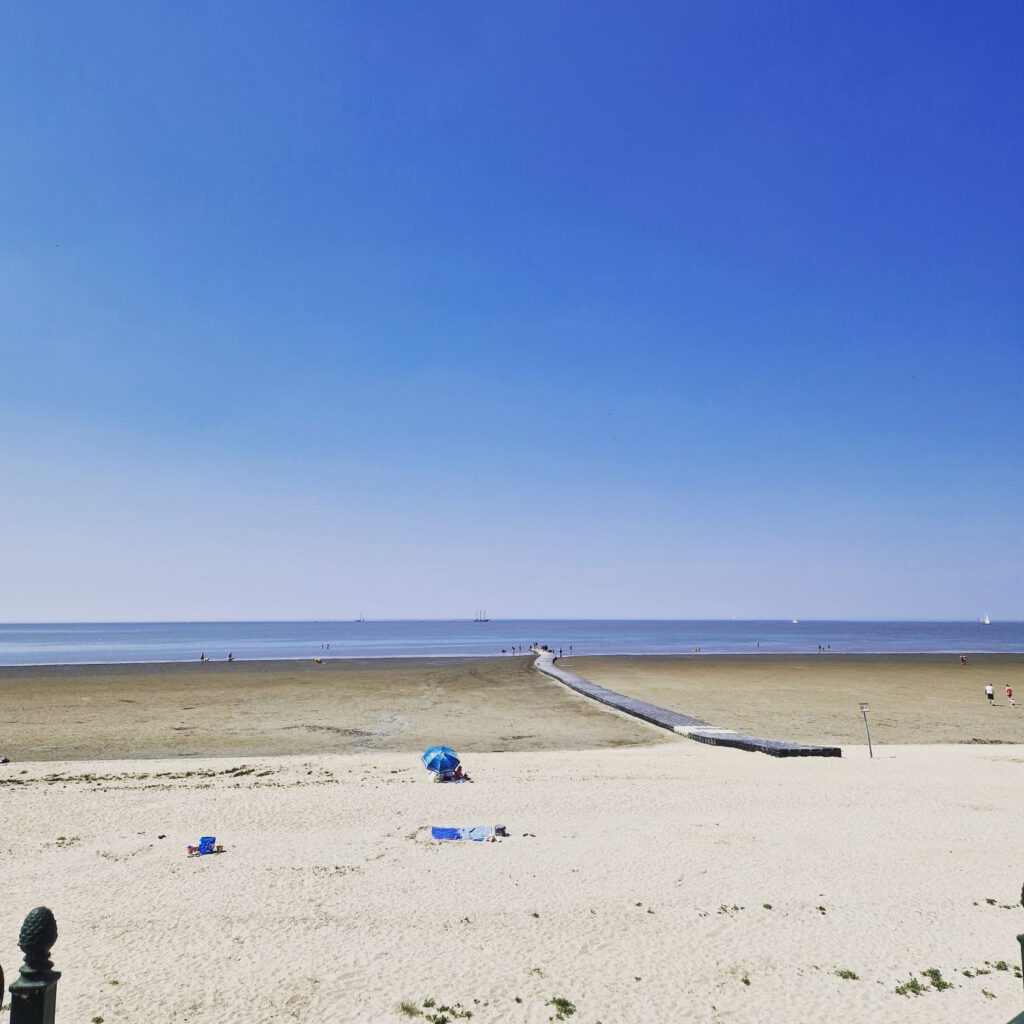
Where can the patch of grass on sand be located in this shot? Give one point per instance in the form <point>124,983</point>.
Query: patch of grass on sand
<point>847,975</point>
<point>911,987</point>
<point>444,1014</point>
<point>563,1007</point>
<point>934,975</point>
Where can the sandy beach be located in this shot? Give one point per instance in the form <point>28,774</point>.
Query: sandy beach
<point>298,707</point>
<point>644,877</point>
<point>493,704</point>
<point>676,882</point>
<point>913,698</point>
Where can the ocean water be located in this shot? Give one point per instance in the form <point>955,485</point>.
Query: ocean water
<point>136,642</point>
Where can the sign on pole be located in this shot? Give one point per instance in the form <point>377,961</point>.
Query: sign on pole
<point>864,712</point>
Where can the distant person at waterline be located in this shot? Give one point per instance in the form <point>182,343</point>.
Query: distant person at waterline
<point>1009,696</point>
<point>990,694</point>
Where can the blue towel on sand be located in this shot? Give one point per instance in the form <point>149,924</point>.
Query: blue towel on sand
<point>476,834</point>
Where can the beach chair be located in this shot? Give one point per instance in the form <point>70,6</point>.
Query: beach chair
<point>206,844</point>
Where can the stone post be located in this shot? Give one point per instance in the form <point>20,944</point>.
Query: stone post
<point>34,994</point>
<point>1019,1019</point>
<point>1020,938</point>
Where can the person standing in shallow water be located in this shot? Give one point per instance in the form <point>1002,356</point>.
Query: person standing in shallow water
<point>989,694</point>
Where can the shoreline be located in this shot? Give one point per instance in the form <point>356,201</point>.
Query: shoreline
<point>940,657</point>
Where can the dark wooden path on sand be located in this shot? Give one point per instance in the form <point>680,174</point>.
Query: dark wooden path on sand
<point>683,725</point>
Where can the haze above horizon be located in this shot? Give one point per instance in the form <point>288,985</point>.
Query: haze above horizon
<point>658,313</point>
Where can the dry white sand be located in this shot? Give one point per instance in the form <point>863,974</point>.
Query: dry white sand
<point>639,893</point>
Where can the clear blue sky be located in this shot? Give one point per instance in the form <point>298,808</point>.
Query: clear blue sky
<point>556,309</point>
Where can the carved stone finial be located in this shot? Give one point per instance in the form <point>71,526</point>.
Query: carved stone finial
<point>38,934</point>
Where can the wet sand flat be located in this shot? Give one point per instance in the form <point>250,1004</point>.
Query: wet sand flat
<point>921,698</point>
<point>292,707</point>
<point>496,704</point>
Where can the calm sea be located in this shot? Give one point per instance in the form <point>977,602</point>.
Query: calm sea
<point>127,642</point>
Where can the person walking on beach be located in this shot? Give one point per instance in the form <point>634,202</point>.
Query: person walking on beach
<point>1009,696</point>
<point>989,693</point>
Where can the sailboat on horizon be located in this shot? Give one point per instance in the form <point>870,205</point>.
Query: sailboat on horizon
<point>481,616</point>
<point>985,620</point>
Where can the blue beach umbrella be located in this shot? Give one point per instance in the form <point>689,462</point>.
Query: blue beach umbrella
<point>440,759</point>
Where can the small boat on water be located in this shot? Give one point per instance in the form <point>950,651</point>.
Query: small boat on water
<point>985,620</point>
<point>481,616</point>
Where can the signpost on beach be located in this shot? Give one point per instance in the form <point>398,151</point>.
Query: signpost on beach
<point>864,712</point>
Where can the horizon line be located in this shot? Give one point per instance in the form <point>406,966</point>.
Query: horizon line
<point>363,621</point>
